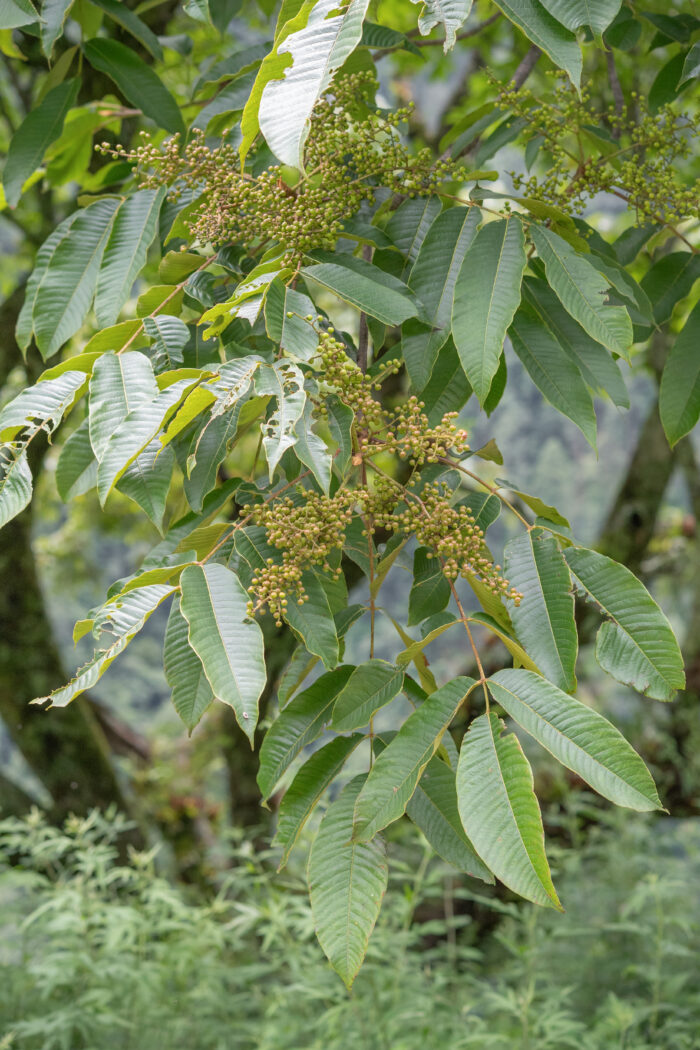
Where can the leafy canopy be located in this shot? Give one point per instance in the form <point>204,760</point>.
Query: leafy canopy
<point>283,454</point>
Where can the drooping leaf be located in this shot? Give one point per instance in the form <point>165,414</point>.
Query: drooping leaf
<point>313,620</point>
<point>120,619</point>
<point>499,810</point>
<point>409,225</point>
<point>433,279</point>
<point>544,620</point>
<point>312,779</point>
<point>42,406</point>
<point>598,14</point>
<point>366,287</point>
<point>311,55</point>
<point>294,333</point>
<point>119,384</point>
<point>184,673</point>
<point>228,644</point>
<point>487,294</point>
<point>38,130</point>
<point>15,482</point>
<point>542,29</point>
<point>136,81</point>
<point>433,808</point>
<point>596,364</point>
<point>311,449</point>
<point>397,770</point>
<point>67,286</point>
<point>347,881</point>
<point>635,644</point>
<point>370,686</point>
<point>135,433</point>
<point>170,336</point>
<point>15,13</point>
<point>448,389</point>
<point>147,480</point>
<point>285,382</point>
<point>298,724</point>
<point>578,736</point>
<point>679,397</point>
<point>668,280</point>
<point>133,230</point>
<point>554,374</point>
<point>452,14</point>
<point>430,591</point>
<point>340,420</point>
<point>133,25</point>
<point>582,290</point>
<point>76,470</point>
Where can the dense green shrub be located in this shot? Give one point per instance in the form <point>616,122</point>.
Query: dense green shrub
<point>106,955</point>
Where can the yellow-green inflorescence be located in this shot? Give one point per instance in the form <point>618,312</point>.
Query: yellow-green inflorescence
<point>629,152</point>
<point>308,529</point>
<point>352,149</point>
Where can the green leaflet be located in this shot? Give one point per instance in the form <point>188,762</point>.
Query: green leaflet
<point>347,881</point>
<point>133,230</point>
<point>311,449</point>
<point>409,225</point>
<point>635,644</point>
<point>396,772</point>
<point>298,724</point>
<point>133,25</point>
<point>121,619</point>
<point>136,81</point>
<point>285,382</point>
<point>544,620</point>
<point>499,810</point>
<point>311,621</point>
<point>582,291</point>
<point>25,322</point>
<point>448,389</point>
<point>578,736</point>
<point>229,645</point>
<point>433,280</point>
<point>119,384</point>
<point>15,482</point>
<point>452,14</point>
<point>487,294</point>
<point>340,420</point>
<point>366,287</point>
<point>169,337</point>
<point>668,280</point>
<point>554,373</point>
<point>64,294</point>
<point>147,481</point>
<point>598,14</point>
<point>598,367</point>
<point>312,779</point>
<point>433,808</point>
<point>430,591</point>
<point>42,406</point>
<point>54,14</point>
<point>135,433</point>
<point>539,26</point>
<point>18,13</point>
<point>38,130</point>
<point>184,673</point>
<point>370,686</point>
<point>294,334</point>
<point>679,398</point>
<point>76,470</point>
<point>273,65</point>
<point>327,38</point>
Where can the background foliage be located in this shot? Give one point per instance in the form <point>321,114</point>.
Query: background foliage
<point>605,311</point>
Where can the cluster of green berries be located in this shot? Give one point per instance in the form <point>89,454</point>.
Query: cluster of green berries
<point>450,533</point>
<point>403,430</point>
<point>306,531</point>
<point>637,158</point>
<point>352,150</point>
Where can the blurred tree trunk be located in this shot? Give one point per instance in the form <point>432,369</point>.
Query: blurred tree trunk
<point>66,749</point>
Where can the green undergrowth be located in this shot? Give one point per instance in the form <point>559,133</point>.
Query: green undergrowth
<point>99,954</point>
